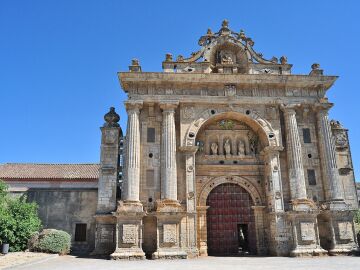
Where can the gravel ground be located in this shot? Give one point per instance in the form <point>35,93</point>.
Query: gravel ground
<point>13,259</point>
<point>209,263</point>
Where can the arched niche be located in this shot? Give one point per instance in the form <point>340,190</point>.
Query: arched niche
<point>229,53</point>
<point>251,118</point>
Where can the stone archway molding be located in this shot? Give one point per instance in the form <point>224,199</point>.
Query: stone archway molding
<point>250,117</point>
<point>242,182</point>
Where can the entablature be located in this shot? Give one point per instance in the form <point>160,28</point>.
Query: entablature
<point>157,83</point>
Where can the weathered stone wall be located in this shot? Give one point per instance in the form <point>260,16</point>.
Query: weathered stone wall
<point>63,208</point>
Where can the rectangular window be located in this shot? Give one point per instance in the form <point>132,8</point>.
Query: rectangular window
<point>151,135</point>
<point>311,177</point>
<point>306,135</point>
<point>80,232</point>
<point>150,178</point>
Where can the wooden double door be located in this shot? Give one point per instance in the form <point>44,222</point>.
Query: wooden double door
<point>230,221</point>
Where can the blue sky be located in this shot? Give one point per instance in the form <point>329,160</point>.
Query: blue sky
<point>59,59</point>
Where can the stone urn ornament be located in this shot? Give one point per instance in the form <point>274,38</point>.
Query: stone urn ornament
<point>111,118</point>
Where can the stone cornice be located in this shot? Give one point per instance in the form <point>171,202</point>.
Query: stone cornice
<point>131,80</point>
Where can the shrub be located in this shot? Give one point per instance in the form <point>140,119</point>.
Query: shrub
<point>357,217</point>
<point>18,220</point>
<point>51,241</point>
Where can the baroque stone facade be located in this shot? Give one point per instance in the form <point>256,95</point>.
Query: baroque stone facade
<point>228,152</point>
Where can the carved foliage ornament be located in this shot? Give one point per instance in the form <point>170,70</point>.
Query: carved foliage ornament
<point>226,124</point>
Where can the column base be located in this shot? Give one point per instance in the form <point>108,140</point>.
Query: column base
<point>203,250</point>
<point>169,206</point>
<point>171,253</point>
<point>340,251</point>
<point>305,230</point>
<point>308,252</point>
<point>126,207</point>
<point>105,235</point>
<point>128,254</point>
<point>341,228</point>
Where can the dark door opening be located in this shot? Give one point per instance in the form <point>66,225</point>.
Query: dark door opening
<point>149,245</point>
<point>243,239</point>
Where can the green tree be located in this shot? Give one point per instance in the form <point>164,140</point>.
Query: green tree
<point>18,219</point>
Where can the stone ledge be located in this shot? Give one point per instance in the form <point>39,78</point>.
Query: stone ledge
<point>128,254</point>
<point>169,254</point>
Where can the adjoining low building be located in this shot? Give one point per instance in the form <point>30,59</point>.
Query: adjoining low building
<point>66,195</point>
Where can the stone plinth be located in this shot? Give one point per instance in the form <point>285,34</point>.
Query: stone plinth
<point>129,233</point>
<point>169,215</point>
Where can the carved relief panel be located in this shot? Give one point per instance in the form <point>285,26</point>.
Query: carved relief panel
<point>345,230</point>
<point>307,231</point>
<point>129,233</point>
<point>170,233</point>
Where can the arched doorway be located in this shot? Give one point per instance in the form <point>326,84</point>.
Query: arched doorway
<point>230,221</point>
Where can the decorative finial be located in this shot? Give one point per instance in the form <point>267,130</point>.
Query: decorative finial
<point>168,57</point>
<point>135,62</point>
<point>225,24</point>
<point>283,60</point>
<point>111,118</point>
<point>242,34</point>
<point>180,58</point>
<point>135,66</point>
<point>315,66</point>
<point>315,70</point>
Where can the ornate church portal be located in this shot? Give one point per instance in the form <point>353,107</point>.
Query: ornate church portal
<point>230,221</point>
<point>226,153</point>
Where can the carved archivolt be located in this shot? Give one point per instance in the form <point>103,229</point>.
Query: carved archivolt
<point>244,183</point>
<point>250,117</point>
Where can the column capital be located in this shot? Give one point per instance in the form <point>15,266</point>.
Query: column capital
<point>133,105</point>
<point>258,207</point>
<point>289,108</point>
<point>188,149</point>
<point>272,150</point>
<point>169,105</point>
<point>323,107</point>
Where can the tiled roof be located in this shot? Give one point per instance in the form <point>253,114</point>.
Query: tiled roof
<point>49,171</point>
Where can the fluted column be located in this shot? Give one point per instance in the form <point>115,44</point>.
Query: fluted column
<point>328,154</point>
<point>294,154</point>
<point>131,186</point>
<point>168,153</point>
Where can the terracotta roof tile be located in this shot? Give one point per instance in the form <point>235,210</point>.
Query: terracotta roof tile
<point>49,171</point>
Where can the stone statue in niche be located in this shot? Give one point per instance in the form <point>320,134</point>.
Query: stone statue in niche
<point>252,148</point>
<point>241,149</point>
<point>226,59</point>
<point>227,147</point>
<point>214,148</point>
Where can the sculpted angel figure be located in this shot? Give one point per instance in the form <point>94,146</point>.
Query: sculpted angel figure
<point>214,148</point>
<point>227,147</point>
